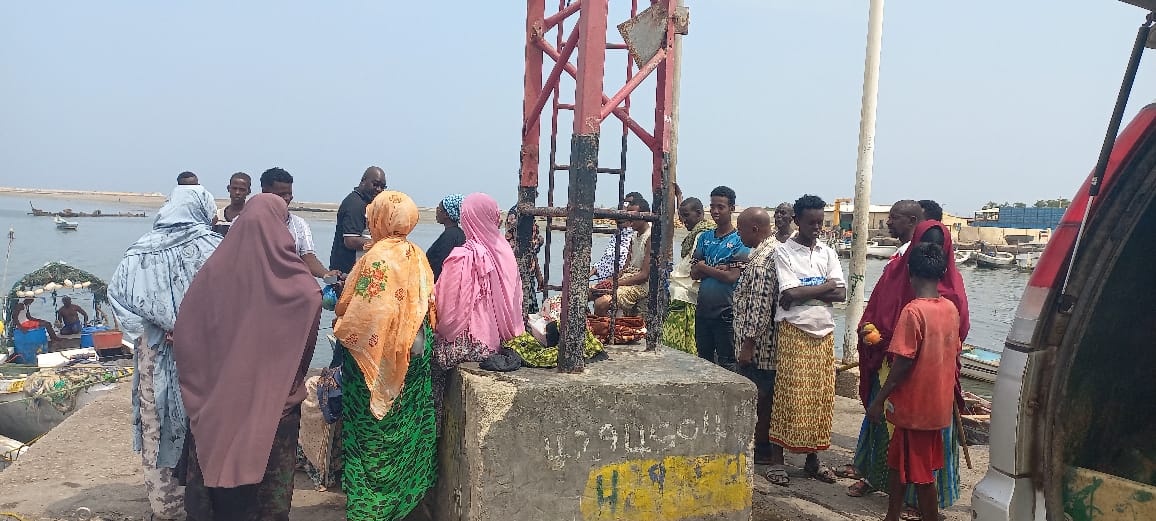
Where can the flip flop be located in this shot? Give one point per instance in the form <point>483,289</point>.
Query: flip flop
<point>910,514</point>
<point>777,475</point>
<point>859,489</point>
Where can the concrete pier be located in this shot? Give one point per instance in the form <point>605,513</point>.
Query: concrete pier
<point>642,436</point>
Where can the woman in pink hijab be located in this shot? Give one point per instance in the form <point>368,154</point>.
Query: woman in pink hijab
<point>479,294</point>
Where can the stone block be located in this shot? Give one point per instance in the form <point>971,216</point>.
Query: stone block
<point>642,436</point>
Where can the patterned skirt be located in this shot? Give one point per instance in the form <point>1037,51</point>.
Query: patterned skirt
<point>389,463</point>
<point>678,330</point>
<point>804,390</point>
<point>871,454</point>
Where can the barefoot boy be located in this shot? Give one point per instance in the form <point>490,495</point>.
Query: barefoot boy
<point>919,392</point>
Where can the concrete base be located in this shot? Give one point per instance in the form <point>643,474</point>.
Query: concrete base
<point>847,383</point>
<point>642,436</point>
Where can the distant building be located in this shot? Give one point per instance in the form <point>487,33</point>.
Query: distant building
<point>1021,218</point>
<point>877,217</point>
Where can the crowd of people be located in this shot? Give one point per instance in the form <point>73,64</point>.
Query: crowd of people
<point>200,293</point>
<point>755,295</point>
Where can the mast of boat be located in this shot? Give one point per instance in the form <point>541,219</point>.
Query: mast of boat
<point>863,170</point>
<point>4,280</point>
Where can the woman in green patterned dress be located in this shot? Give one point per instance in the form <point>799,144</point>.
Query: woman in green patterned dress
<point>383,322</point>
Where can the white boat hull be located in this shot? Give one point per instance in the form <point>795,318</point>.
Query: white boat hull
<point>1000,260</point>
<point>881,252</point>
<point>979,364</point>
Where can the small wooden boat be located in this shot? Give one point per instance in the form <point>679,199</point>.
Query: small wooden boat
<point>976,418</point>
<point>980,364</point>
<point>997,259</point>
<point>62,224</point>
<point>964,256</point>
<point>878,251</point>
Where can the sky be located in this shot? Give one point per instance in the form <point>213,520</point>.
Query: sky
<point>989,100</point>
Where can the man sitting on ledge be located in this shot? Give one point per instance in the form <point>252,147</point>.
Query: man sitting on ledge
<point>634,281</point>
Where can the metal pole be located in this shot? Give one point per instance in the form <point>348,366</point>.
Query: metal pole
<point>676,89</point>
<point>582,183</point>
<point>863,167</point>
<point>1110,136</point>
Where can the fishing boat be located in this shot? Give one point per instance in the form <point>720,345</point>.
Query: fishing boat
<point>997,259</point>
<point>1026,262</point>
<point>50,380</point>
<point>62,224</point>
<point>964,256</point>
<point>978,363</point>
<point>879,251</point>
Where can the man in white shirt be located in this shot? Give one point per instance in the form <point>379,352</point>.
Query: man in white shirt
<point>810,281</point>
<point>278,181</point>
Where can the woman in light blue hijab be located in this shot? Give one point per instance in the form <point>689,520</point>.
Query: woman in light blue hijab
<point>146,291</point>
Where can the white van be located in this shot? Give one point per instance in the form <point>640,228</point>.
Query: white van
<point>1073,428</point>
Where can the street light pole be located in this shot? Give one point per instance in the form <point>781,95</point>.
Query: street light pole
<point>863,170</point>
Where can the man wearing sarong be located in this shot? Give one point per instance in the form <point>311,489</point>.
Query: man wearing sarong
<point>892,292</point>
<point>810,281</point>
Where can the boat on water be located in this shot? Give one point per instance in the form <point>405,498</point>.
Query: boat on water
<point>42,381</point>
<point>63,224</point>
<point>978,363</point>
<point>964,256</point>
<point>874,249</point>
<point>1026,262</point>
<point>879,251</point>
<point>997,259</point>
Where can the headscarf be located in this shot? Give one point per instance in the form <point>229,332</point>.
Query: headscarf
<point>453,205</point>
<point>387,296</point>
<point>146,291</point>
<point>893,292</point>
<point>691,238</point>
<point>244,338</point>
<point>479,292</point>
<point>151,280</point>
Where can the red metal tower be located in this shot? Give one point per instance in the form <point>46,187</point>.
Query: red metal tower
<point>649,39</point>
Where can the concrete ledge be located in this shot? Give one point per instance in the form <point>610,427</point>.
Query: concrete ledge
<point>642,436</point>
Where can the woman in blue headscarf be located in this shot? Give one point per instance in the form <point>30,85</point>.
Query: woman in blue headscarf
<point>146,292</point>
<point>449,214</point>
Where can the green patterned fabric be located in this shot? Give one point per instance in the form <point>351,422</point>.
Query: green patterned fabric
<point>534,354</point>
<point>389,464</point>
<point>678,330</point>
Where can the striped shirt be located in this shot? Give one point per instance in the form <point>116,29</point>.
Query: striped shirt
<point>754,305</point>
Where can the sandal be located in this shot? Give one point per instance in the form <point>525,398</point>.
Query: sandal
<point>859,489</point>
<point>848,472</point>
<point>910,514</point>
<point>822,473</point>
<point>777,475</point>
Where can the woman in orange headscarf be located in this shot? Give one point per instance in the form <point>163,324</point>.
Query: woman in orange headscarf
<point>384,322</point>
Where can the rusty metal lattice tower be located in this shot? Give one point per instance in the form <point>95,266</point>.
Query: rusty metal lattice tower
<point>649,37</point>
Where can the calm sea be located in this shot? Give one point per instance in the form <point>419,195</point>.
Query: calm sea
<point>99,243</point>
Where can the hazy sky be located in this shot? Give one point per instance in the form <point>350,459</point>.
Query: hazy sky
<point>982,100</point>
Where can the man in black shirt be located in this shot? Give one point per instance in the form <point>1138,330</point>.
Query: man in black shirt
<point>351,223</point>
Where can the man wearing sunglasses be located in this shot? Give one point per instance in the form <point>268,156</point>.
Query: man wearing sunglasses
<point>349,237</point>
